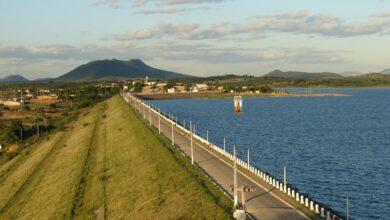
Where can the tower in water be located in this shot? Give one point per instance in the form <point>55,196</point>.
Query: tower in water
<point>237,103</point>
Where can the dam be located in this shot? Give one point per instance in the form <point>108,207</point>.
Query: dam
<point>217,163</point>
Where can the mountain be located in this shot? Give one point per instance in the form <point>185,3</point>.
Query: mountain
<point>301,75</point>
<point>14,78</point>
<point>351,73</point>
<point>386,71</point>
<point>117,69</point>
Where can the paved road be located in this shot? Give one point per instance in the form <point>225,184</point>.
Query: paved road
<point>260,203</point>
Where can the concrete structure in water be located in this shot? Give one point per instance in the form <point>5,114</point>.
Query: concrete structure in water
<point>237,103</point>
<point>211,159</point>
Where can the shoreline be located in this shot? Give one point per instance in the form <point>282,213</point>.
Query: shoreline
<point>219,95</point>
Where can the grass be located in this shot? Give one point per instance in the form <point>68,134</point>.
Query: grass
<point>107,165</point>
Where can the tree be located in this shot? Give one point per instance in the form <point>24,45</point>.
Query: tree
<point>137,87</point>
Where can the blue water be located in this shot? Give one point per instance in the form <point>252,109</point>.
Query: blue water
<point>333,147</point>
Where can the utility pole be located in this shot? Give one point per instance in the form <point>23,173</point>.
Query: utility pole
<point>159,124</point>
<point>21,133</point>
<point>150,117</point>
<point>144,112</point>
<point>38,124</point>
<point>235,177</point>
<point>347,203</point>
<point>192,148</point>
<point>248,158</point>
<point>173,142</point>
<point>285,179</point>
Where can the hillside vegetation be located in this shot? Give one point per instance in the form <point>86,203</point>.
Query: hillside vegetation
<point>106,165</point>
<point>116,70</point>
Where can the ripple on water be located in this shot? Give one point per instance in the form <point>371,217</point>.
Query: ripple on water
<point>333,146</point>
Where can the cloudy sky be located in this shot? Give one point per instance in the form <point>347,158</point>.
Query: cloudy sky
<point>47,38</point>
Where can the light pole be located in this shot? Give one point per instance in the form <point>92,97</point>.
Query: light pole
<point>224,144</point>
<point>347,203</point>
<point>192,149</point>
<point>248,158</point>
<point>235,176</point>
<point>173,142</point>
<point>159,124</point>
<point>285,179</point>
<point>150,117</point>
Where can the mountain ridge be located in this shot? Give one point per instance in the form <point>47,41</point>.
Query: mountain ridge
<point>301,75</point>
<point>117,69</point>
<point>14,78</point>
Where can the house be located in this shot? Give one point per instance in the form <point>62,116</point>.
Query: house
<point>171,90</point>
<point>12,103</point>
<point>194,89</point>
<point>151,83</point>
<point>161,85</point>
<point>202,87</point>
<point>180,88</point>
<point>147,89</point>
<point>48,97</point>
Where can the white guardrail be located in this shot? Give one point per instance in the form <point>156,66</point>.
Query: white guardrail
<point>312,205</point>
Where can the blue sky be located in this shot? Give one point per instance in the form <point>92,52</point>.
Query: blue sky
<point>47,38</point>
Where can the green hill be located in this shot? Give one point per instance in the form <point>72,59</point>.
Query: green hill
<point>117,69</point>
<point>112,167</point>
<point>301,75</point>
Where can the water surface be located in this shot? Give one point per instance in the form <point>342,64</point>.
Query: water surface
<point>333,147</point>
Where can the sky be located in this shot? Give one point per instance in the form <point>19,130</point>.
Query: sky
<point>48,38</point>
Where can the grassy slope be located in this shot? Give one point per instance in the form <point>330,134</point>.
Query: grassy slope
<point>109,165</point>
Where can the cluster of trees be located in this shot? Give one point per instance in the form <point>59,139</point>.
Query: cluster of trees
<point>24,132</point>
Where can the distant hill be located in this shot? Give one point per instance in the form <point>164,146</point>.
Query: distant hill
<point>14,78</point>
<point>386,71</point>
<point>374,75</point>
<point>301,75</point>
<point>117,69</point>
<point>351,73</point>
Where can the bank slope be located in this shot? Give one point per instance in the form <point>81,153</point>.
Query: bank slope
<point>107,164</point>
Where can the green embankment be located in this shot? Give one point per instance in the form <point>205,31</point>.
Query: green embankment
<point>107,165</point>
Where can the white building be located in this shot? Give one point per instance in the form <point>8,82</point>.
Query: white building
<point>171,90</point>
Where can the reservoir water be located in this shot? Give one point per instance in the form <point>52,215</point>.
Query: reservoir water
<point>333,147</point>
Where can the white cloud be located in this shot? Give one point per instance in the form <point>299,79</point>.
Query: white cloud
<point>301,22</point>
<point>54,60</point>
<point>161,30</point>
<point>139,3</point>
